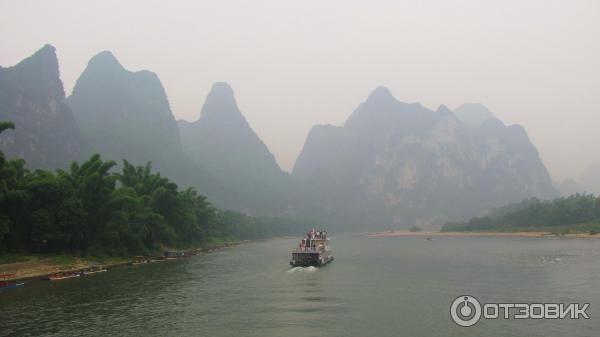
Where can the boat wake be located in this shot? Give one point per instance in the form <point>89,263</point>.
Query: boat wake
<point>309,269</point>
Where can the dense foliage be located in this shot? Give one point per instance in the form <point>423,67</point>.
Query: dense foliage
<point>90,208</point>
<point>536,214</point>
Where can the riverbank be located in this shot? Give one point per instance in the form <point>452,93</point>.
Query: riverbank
<point>495,234</point>
<point>27,267</point>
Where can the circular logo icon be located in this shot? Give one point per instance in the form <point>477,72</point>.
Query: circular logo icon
<point>465,310</point>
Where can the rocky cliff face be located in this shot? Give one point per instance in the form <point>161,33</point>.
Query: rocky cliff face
<point>32,96</point>
<point>394,163</point>
<point>223,141</point>
<point>126,115</point>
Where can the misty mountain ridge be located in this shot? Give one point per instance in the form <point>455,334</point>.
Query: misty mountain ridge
<point>32,96</point>
<point>223,141</point>
<point>126,115</point>
<point>108,100</point>
<point>474,114</point>
<point>399,163</point>
<point>390,164</point>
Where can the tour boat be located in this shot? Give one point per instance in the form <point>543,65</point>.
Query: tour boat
<point>313,250</point>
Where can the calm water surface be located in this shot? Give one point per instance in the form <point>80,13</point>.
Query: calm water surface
<point>399,286</point>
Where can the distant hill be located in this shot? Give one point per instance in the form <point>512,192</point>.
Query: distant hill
<point>590,179</point>
<point>223,141</point>
<point>588,182</point>
<point>397,164</point>
<point>126,114</point>
<point>32,96</point>
<point>570,187</point>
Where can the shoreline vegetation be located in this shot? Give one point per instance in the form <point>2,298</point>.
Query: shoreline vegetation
<point>96,212</point>
<point>575,214</point>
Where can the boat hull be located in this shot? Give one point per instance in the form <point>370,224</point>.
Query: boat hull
<point>12,286</point>
<point>60,278</point>
<point>309,259</point>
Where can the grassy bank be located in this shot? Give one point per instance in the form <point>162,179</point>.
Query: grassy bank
<point>28,266</point>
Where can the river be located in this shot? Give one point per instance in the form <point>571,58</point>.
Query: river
<point>377,286</point>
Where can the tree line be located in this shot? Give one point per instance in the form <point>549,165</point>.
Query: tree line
<point>531,214</point>
<point>90,208</point>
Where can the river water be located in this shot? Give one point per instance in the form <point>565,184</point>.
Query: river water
<point>377,286</point>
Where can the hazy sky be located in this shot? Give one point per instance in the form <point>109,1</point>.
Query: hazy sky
<point>294,64</point>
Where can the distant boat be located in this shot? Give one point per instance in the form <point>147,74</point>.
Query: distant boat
<point>62,276</point>
<point>313,250</point>
<point>9,284</point>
